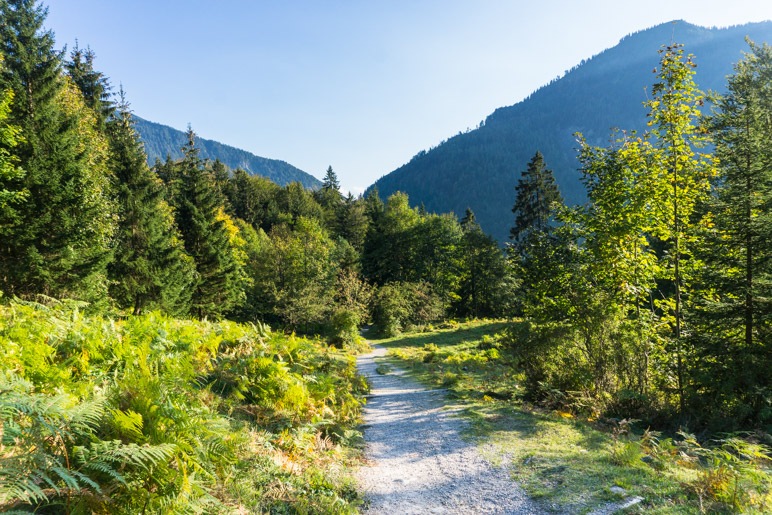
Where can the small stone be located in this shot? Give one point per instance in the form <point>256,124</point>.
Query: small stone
<point>618,490</point>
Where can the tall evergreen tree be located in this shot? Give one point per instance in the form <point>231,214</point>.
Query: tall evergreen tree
<point>59,241</point>
<point>352,222</point>
<point>254,199</point>
<point>734,336</point>
<point>151,269</point>
<point>331,200</point>
<point>93,85</point>
<point>483,272</point>
<point>219,285</point>
<point>537,195</point>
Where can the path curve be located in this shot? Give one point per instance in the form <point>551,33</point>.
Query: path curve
<point>417,462</point>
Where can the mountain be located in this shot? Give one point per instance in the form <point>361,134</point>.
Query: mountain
<point>480,168</point>
<point>162,141</point>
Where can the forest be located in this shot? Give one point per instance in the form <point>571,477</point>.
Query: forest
<point>167,329</point>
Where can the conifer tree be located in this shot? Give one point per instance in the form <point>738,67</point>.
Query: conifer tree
<point>482,272</point>
<point>151,269</point>
<point>254,199</point>
<point>92,84</point>
<point>331,200</point>
<point>59,241</point>
<point>219,283</point>
<point>353,222</point>
<point>734,337</point>
<point>537,195</point>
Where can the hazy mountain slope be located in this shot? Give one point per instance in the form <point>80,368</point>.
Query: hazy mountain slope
<point>161,140</point>
<point>480,168</point>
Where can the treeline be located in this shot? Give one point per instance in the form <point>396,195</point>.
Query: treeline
<point>82,216</point>
<point>653,300</point>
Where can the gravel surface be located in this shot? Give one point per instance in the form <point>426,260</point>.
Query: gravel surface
<point>417,461</point>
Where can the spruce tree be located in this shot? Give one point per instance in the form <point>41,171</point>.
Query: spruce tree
<point>532,255</point>
<point>734,333</point>
<point>93,85</point>
<point>254,199</point>
<point>537,195</point>
<point>353,222</point>
<point>59,241</point>
<point>219,284</point>
<point>482,272</point>
<point>331,200</point>
<point>151,269</point>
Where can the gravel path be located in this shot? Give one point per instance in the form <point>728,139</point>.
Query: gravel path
<point>416,459</point>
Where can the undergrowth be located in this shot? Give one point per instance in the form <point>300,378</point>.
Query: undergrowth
<point>566,457</point>
<point>155,415</point>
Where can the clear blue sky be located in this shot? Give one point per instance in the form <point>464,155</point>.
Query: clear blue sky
<point>361,85</point>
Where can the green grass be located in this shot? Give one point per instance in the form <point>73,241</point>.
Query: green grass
<point>568,464</point>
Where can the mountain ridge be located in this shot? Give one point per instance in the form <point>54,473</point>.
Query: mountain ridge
<point>161,141</point>
<point>479,169</point>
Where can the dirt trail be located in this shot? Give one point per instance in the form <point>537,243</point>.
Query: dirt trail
<point>417,461</point>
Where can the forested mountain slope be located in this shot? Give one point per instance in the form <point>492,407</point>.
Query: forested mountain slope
<point>480,168</point>
<point>162,141</point>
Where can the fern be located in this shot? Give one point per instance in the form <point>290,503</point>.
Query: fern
<point>50,448</point>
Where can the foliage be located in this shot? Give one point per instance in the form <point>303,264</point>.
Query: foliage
<point>477,168</point>
<point>160,415</point>
<point>218,282</point>
<point>733,317</point>
<point>150,269</point>
<point>10,173</point>
<point>398,306</point>
<point>58,241</point>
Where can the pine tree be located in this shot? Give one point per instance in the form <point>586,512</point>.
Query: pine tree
<point>151,269</point>
<point>531,257</point>
<point>331,200</point>
<point>734,336</point>
<point>254,199</point>
<point>483,272</point>
<point>59,241</point>
<point>92,84</point>
<point>219,283</point>
<point>352,222</point>
<point>330,181</point>
<point>537,195</point>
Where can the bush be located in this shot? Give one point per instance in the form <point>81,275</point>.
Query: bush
<point>344,326</point>
<point>398,306</point>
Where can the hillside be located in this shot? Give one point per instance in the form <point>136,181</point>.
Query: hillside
<point>480,168</point>
<point>161,140</point>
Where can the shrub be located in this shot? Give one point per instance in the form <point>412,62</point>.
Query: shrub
<point>344,325</point>
<point>397,306</point>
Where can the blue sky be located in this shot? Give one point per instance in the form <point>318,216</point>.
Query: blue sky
<point>362,85</point>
